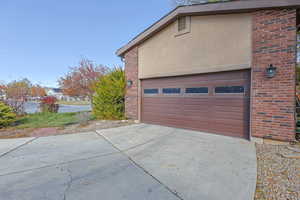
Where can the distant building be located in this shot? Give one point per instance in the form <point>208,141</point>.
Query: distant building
<point>57,92</point>
<point>2,94</point>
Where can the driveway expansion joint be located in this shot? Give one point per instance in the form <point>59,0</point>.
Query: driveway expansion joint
<point>16,148</point>
<point>58,164</point>
<point>123,152</point>
<point>135,146</point>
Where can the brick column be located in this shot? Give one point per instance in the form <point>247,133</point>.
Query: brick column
<point>131,71</point>
<point>273,99</point>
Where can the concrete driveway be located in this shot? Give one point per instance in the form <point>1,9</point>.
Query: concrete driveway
<point>135,162</point>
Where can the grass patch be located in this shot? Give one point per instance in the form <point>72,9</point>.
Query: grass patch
<point>43,120</point>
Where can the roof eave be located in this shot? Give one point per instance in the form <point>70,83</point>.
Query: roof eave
<point>207,9</point>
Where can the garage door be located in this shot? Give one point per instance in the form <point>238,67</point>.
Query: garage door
<point>215,103</point>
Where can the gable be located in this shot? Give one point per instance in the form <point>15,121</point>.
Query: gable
<point>214,43</point>
<point>244,6</point>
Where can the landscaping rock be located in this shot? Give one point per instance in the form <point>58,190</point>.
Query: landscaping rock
<point>278,173</point>
<point>294,149</point>
<point>291,156</point>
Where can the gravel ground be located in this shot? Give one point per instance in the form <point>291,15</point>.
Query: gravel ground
<point>278,176</point>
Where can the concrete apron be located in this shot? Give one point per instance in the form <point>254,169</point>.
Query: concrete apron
<point>77,167</point>
<point>128,163</point>
<point>8,145</point>
<point>194,165</point>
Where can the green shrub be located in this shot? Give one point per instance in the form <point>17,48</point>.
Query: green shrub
<point>7,116</point>
<point>109,97</point>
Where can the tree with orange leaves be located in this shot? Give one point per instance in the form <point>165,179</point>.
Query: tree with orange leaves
<point>37,91</point>
<point>81,79</point>
<point>2,91</point>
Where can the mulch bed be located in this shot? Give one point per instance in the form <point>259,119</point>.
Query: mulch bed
<point>278,172</point>
<point>75,128</point>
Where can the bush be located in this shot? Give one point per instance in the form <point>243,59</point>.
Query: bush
<point>17,106</point>
<point>109,97</point>
<point>83,118</point>
<point>48,104</point>
<point>7,116</point>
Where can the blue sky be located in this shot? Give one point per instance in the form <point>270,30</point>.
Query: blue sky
<point>41,39</point>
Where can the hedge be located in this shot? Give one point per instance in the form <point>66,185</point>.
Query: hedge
<point>109,97</point>
<point>7,116</point>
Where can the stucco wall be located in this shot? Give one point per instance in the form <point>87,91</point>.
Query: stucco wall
<point>215,43</point>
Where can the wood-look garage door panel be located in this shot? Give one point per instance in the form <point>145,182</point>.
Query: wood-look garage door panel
<point>196,115</point>
<point>169,122</point>
<point>193,108</point>
<point>228,102</point>
<point>155,107</point>
<point>166,108</point>
<point>227,130</point>
<point>230,109</point>
<point>162,101</point>
<point>222,122</point>
<point>230,116</point>
<point>226,114</point>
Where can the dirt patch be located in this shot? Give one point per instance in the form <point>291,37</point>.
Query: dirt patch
<point>71,129</point>
<point>278,172</point>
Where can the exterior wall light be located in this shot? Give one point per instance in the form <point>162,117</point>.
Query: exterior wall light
<point>271,71</point>
<point>129,83</point>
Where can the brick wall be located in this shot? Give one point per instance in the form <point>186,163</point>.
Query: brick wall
<point>273,100</point>
<point>131,71</point>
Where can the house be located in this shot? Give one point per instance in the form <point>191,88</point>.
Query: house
<point>226,68</point>
<point>2,93</point>
<point>56,92</point>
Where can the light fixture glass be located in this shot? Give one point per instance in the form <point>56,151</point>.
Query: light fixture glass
<point>271,71</point>
<point>129,83</point>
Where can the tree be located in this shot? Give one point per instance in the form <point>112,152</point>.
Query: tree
<point>6,115</point>
<point>191,2</point>
<point>2,87</point>
<point>37,91</point>
<point>109,97</point>
<point>2,91</point>
<point>17,93</point>
<point>18,89</point>
<point>80,81</point>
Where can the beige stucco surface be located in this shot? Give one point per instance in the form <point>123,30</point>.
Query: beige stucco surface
<point>215,43</point>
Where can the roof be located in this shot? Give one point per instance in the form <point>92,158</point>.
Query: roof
<point>56,90</point>
<point>207,9</point>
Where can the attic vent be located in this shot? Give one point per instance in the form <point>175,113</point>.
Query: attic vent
<point>183,26</point>
<point>181,23</point>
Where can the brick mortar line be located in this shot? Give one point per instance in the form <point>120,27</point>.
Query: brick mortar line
<point>139,166</point>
